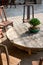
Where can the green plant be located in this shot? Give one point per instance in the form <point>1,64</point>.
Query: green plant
<point>34,22</point>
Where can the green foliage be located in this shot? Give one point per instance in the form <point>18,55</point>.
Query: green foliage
<point>34,22</point>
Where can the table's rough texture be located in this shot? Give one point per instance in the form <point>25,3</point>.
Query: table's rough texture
<point>21,36</point>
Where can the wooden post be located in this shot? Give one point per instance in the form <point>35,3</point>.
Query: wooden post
<point>29,52</point>
<point>0,59</point>
<point>23,13</point>
<point>32,11</point>
<point>4,13</point>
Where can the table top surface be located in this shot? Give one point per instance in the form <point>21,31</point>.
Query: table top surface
<point>20,35</point>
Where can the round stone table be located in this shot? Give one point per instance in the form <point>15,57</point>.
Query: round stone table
<point>19,35</point>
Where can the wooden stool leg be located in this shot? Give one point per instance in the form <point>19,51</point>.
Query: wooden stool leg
<point>23,13</point>
<point>29,52</point>
<point>28,12</point>
<point>7,55</point>
<point>32,11</point>
<point>0,59</point>
<point>4,14</point>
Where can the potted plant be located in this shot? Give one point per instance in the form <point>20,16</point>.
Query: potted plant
<point>34,22</point>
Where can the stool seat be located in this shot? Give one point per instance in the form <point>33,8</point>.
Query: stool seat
<point>1,24</point>
<point>6,23</point>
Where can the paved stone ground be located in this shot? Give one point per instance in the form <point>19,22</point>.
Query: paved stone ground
<point>17,55</point>
<point>12,12</point>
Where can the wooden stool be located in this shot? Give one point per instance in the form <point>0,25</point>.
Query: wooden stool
<point>40,62</point>
<point>3,47</point>
<point>12,3</point>
<point>5,22</point>
<point>28,12</point>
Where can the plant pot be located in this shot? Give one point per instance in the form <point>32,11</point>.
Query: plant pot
<point>35,30</point>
